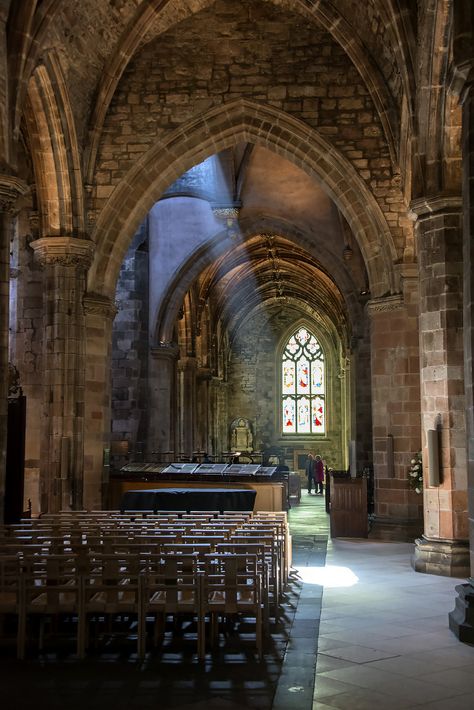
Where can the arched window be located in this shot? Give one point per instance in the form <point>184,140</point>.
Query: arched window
<point>302,385</point>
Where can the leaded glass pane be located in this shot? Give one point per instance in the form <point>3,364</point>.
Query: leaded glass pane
<point>303,376</point>
<point>289,422</point>
<point>288,383</point>
<point>303,415</point>
<point>317,377</point>
<point>317,415</point>
<point>302,336</point>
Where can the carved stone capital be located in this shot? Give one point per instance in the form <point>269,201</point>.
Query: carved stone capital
<point>226,213</point>
<point>96,304</point>
<point>387,303</point>
<point>11,188</point>
<point>427,207</point>
<point>67,251</point>
<point>165,351</point>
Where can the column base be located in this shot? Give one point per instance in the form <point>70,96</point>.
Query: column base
<point>461,619</point>
<point>395,529</point>
<point>447,558</point>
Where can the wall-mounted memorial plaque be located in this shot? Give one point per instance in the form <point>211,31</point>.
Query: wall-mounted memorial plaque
<point>181,468</point>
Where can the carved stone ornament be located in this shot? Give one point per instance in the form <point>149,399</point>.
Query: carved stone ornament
<point>165,350</point>
<point>388,303</point>
<point>225,213</point>
<point>14,388</point>
<point>11,188</point>
<point>96,304</point>
<point>67,251</point>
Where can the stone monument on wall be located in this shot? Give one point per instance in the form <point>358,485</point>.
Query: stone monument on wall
<point>241,436</point>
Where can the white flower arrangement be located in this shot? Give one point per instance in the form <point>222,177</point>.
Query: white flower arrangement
<point>415,474</point>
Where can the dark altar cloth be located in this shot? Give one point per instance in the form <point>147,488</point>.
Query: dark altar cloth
<point>187,499</point>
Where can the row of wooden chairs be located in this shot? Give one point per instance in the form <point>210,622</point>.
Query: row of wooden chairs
<point>103,565</point>
<point>103,587</point>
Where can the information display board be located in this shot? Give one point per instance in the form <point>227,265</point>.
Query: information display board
<point>242,469</point>
<point>181,468</point>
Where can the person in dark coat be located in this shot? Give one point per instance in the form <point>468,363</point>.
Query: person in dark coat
<point>309,468</point>
<point>319,475</point>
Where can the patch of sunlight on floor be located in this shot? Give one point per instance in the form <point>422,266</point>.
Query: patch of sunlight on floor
<point>328,576</point>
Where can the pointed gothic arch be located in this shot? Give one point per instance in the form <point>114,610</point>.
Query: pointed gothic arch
<point>220,128</point>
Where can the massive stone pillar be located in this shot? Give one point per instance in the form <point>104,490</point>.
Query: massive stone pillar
<point>395,412</point>
<point>443,549</point>
<point>10,189</point>
<point>65,261</point>
<point>461,620</point>
<point>99,313</point>
<point>162,399</point>
<point>187,369</point>
<point>218,416</point>
<point>203,440</point>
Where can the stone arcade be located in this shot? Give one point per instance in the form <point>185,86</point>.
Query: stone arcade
<point>184,185</point>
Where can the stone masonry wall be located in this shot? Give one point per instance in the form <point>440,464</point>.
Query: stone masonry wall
<point>247,49</point>
<point>130,346</point>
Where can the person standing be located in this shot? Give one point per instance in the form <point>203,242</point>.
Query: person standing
<point>309,468</point>
<point>319,475</point>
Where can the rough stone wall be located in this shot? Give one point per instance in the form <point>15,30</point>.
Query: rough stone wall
<point>130,346</point>
<point>253,389</point>
<point>247,50</point>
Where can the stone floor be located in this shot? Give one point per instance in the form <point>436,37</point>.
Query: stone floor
<point>360,631</point>
<point>384,639</point>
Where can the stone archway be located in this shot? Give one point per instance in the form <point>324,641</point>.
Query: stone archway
<point>218,129</point>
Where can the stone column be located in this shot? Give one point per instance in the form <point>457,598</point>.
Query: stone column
<point>218,416</point>
<point>100,312</point>
<point>461,620</point>
<point>10,189</point>
<point>202,440</point>
<point>443,549</point>
<point>162,398</point>
<point>187,367</point>
<point>395,412</point>
<point>65,261</point>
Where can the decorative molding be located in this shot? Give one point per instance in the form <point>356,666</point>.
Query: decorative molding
<point>434,206</point>
<point>67,251</point>
<point>386,303</point>
<point>165,350</point>
<point>34,220</point>
<point>11,188</point>
<point>96,304</point>
<point>225,213</point>
<point>14,387</point>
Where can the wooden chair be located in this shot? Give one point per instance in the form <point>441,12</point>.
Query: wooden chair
<point>230,584</point>
<point>172,588</point>
<point>112,588</point>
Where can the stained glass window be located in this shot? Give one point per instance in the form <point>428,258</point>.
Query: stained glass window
<point>302,385</point>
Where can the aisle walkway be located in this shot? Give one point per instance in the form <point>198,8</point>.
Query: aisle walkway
<point>384,639</point>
